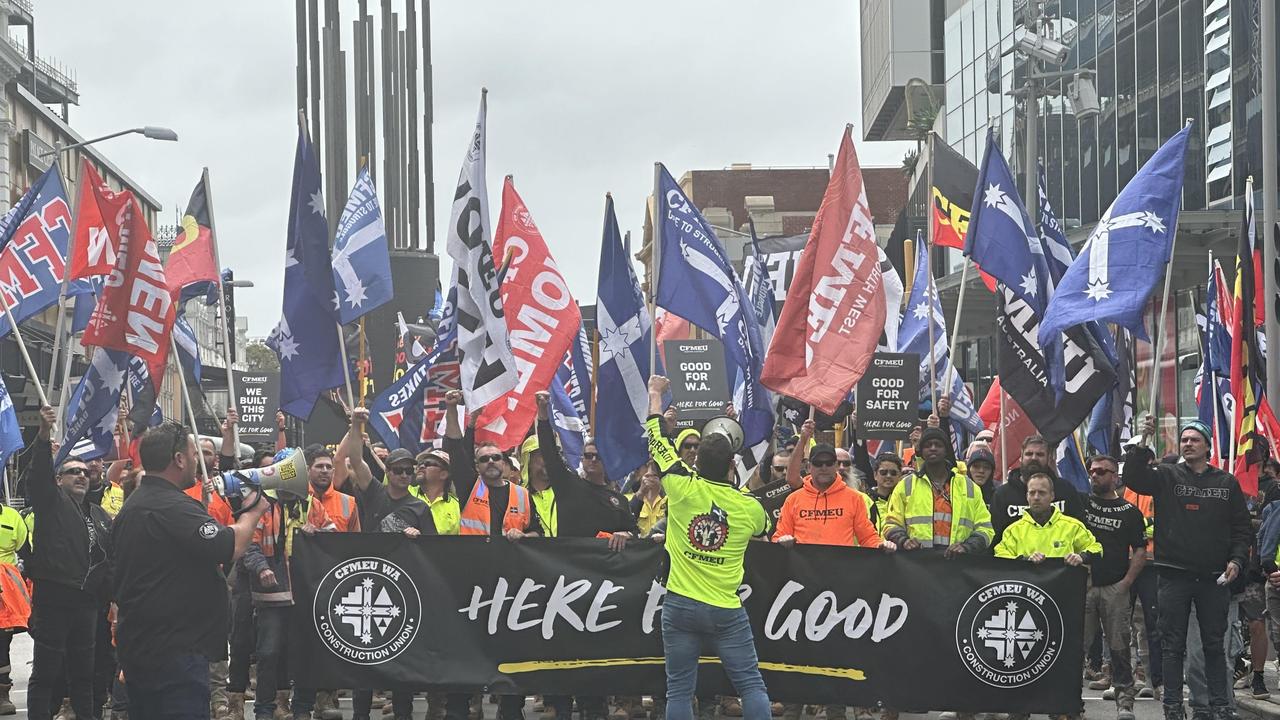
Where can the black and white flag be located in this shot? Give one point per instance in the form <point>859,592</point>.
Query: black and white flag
<point>488,368</point>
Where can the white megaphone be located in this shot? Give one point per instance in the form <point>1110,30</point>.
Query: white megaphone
<point>726,426</point>
<point>286,476</point>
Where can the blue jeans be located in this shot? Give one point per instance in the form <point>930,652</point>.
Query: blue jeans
<point>172,688</point>
<point>689,625</point>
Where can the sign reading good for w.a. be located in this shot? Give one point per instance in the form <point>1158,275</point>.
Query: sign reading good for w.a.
<point>888,395</point>
<point>569,617</point>
<point>258,398</point>
<point>699,382</point>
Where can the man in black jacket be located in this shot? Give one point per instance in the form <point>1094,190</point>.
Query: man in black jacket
<point>1202,536</point>
<point>1010,499</point>
<point>70,572</point>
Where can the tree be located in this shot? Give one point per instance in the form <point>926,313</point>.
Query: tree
<point>260,357</point>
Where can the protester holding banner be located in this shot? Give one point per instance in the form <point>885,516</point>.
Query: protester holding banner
<point>940,507</point>
<point>1043,531</point>
<point>888,473</point>
<point>434,489</point>
<point>1010,499</point>
<point>70,570</point>
<point>1202,532</point>
<point>702,603</point>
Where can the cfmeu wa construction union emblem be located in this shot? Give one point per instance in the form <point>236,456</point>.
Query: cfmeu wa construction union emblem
<point>1009,633</point>
<point>367,610</point>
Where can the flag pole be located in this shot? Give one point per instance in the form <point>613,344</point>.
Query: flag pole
<point>931,290</point>
<point>228,324</point>
<point>191,418</point>
<point>595,373</point>
<point>1213,376</point>
<point>1164,310</point>
<point>66,279</point>
<point>655,262</point>
<point>22,346</point>
<point>955,324</point>
<point>364,374</point>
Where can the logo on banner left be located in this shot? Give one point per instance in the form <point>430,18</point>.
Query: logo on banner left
<point>367,611</point>
<point>1009,633</point>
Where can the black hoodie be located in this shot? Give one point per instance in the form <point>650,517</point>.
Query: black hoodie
<point>1202,520</point>
<point>72,540</point>
<point>1010,499</point>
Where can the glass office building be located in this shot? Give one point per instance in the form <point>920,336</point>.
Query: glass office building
<point>1155,64</point>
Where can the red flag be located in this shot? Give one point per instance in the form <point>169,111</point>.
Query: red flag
<point>990,409</point>
<point>100,212</point>
<point>1247,363</point>
<point>835,309</point>
<point>670,326</point>
<point>1012,431</point>
<point>191,259</point>
<point>135,312</point>
<point>542,321</point>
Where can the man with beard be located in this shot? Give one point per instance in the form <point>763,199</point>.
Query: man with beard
<point>171,593</point>
<point>1202,535</point>
<point>1010,499</point>
<point>1121,529</point>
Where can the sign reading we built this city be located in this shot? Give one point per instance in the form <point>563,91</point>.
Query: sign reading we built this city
<point>258,398</point>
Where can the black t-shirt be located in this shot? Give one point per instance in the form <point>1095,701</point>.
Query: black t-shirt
<point>169,586</point>
<point>1119,526</point>
<point>585,508</point>
<point>380,513</point>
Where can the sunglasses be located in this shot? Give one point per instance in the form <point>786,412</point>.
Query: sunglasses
<point>74,471</point>
<point>846,463</point>
<point>401,470</point>
<point>494,458</point>
<point>590,456</point>
<point>425,465</point>
<point>822,463</point>
<point>689,446</point>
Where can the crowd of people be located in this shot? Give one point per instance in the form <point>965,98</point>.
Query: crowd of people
<point>148,593</point>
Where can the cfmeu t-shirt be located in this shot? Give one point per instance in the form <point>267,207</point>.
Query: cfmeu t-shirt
<point>708,527</point>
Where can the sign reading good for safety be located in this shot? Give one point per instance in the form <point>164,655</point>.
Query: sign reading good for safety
<point>887,396</point>
<point>699,383</point>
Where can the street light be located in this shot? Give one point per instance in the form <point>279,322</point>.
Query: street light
<point>240,283</point>
<point>152,132</point>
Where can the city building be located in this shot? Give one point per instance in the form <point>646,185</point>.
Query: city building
<point>1155,64</point>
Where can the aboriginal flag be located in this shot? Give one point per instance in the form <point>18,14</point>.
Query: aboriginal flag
<point>954,179</point>
<point>192,260</point>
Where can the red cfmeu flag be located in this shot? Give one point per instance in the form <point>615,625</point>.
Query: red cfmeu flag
<point>1014,427</point>
<point>835,308</point>
<point>100,211</point>
<point>191,259</point>
<point>135,312</point>
<point>541,316</point>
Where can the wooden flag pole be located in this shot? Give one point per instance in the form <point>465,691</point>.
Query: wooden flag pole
<point>955,324</point>
<point>933,362</point>
<point>66,279</point>
<point>191,418</point>
<point>22,346</point>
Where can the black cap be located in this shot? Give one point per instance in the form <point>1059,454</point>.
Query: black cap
<point>398,455</point>
<point>822,449</point>
<point>932,433</point>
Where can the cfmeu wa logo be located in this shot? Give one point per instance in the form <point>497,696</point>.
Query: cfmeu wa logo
<point>1009,633</point>
<point>367,611</point>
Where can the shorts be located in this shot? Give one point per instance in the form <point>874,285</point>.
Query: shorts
<point>1253,602</point>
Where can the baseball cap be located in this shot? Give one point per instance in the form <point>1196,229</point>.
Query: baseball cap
<point>398,455</point>
<point>982,455</point>
<point>822,449</point>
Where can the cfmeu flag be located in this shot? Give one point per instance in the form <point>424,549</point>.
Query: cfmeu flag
<point>191,260</point>
<point>361,260</point>
<point>306,339</point>
<point>94,407</point>
<point>488,367</point>
<point>542,320</point>
<point>697,282</point>
<point>835,308</point>
<point>1253,417</point>
<point>1123,260</point>
<point>97,225</point>
<point>33,248</point>
<point>622,392</point>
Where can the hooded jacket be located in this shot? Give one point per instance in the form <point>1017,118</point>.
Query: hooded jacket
<point>71,542</point>
<point>835,516</point>
<point>1010,499</point>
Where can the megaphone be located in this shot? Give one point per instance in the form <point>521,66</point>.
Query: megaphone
<point>286,476</point>
<point>726,426</point>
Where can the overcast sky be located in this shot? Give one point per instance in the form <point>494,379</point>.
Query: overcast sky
<point>584,96</point>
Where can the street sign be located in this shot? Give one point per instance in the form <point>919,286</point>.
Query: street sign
<point>699,383</point>
<point>888,395</point>
<point>258,398</point>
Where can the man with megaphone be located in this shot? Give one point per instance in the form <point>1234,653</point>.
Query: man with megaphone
<point>173,617</point>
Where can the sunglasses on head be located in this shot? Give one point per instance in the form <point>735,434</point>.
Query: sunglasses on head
<point>822,463</point>
<point>493,458</point>
<point>590,456</point>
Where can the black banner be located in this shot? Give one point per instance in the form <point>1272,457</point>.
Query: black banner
<point>566,616</point>
<point>888,395</point>
<point>1024,374</point>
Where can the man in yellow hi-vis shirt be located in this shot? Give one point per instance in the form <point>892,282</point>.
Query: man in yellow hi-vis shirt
<point>1044,531</point>
<point>709,524</point>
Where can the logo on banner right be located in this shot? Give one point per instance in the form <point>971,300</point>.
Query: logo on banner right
<point>1009,633</point>
<point>367,610</point>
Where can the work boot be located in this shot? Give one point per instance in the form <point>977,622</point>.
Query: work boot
<point>1174,711</point>
<point>837,712</point>
<point>792,711</point>
<point>1124,707</point>
<point>219,710</point>
<point>1258,688</point>
<point>731,707</point>
<point>65,713</point>
<point>282,706</point>
<point>326,707</point>
<point>888,714</point>
<point>706,711</point>
<point>235,706</point>
<point>6,705</point>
